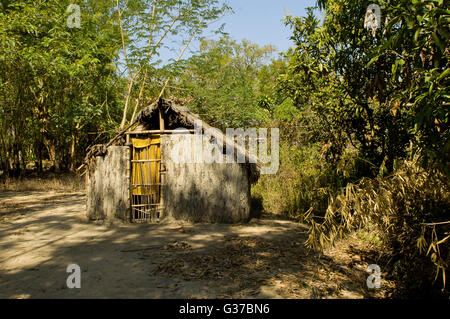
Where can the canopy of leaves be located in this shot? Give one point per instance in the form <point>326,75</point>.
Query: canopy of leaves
<point>54,80</point>
<point>225,83</point>
<point>382,92</point>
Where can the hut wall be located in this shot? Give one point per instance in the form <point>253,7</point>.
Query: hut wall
<point>108,185</point>
<point>202,192</point>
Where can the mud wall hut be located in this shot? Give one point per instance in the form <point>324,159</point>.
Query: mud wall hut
<point>136,177</point>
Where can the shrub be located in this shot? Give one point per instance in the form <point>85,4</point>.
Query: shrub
<point>410,210</point>
<point>303,183</point>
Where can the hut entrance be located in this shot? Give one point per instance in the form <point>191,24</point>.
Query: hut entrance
<point>146,179</point>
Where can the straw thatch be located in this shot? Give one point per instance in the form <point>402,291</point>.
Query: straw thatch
<point>177,116</point>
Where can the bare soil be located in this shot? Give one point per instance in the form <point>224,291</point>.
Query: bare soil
<point>41,233</point>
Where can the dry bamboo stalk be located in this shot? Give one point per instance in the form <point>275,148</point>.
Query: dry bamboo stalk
<point>160,132</point>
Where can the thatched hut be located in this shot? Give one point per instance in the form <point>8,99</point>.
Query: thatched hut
<point>135,178</point>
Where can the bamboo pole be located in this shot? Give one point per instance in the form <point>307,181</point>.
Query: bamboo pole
<point>160,132</point>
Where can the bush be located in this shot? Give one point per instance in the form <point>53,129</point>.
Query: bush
<point>410,211</point>
<point>303,183</point>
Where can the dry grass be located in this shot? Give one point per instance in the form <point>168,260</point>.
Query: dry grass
<point>59,182</point>
<point>408,215</point>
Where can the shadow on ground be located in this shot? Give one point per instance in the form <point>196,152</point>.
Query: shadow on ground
<point>42,233</point>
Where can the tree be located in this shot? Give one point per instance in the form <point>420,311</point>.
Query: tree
<point>384,93</point>
<point>57,82</point>
<point>224,82</point>
<point>146,26</point>
<point>392,88</point>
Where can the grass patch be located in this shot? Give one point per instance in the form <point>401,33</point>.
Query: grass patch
<point>49,181</point>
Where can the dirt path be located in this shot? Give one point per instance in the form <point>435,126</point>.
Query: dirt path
<point>41,233</point>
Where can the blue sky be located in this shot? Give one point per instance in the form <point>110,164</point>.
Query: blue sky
<point>259,21</point>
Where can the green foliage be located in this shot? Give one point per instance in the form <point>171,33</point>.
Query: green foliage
<point>328,75</point>
<point>63,89</point>
<point>146,26</point>
<point>222,83</point>
<point>56,82</point>
<point>352,106</point>
<point>371,102</point>
<point>149,25</point>
<point>303,183</point>
<point>395,84</point>
<point>415,47</point>
<point>286,111</point>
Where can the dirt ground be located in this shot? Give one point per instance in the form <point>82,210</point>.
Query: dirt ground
<point>41,233</point>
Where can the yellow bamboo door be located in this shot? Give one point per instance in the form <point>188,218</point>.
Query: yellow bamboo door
<point>146,179</point>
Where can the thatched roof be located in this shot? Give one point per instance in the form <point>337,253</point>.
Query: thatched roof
<point>180,116</point>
